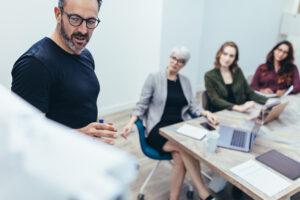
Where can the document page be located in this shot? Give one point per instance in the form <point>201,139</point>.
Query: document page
<point>192,131</point>
<point>266,95</point>
<point>260,177</point>
<point>291,88</point>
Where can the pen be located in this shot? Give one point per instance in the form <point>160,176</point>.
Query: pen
<point>101,120</point>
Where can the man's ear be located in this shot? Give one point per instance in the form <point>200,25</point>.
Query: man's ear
<point>58,14</point>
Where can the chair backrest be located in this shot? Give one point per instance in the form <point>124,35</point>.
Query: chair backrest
<point>205,100</point>
<point>146,148</point>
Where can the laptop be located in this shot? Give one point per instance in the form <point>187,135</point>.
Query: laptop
<point>237,138</point>
<point>264,114</point>
<point>271,110</point>
<point>268,114</point>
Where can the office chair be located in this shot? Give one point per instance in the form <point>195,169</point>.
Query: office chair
<point>155,155</point>
<point>205,100</point>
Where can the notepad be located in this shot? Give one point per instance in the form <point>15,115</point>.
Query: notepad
<point>192,131</point>
<point>260,177</point>
<point>281,163</point>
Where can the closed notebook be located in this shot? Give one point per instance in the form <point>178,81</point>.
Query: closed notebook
<point>281,163</point>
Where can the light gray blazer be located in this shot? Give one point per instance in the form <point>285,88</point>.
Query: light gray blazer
<point>151,104</point>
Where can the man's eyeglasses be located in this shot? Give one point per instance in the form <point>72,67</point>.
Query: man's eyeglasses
<point>180,61</point>
<point>76,20</point>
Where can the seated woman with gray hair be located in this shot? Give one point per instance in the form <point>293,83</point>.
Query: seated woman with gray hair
<point>166,99</point>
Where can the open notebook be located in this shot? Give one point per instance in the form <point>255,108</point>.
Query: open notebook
<point>271,110</point>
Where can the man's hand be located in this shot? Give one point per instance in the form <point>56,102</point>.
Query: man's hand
<point>107,132</point>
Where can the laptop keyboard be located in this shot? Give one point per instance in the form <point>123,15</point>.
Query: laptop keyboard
<point>238,138</point>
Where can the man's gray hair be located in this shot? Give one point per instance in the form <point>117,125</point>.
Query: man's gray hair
<point>62,2</point>
<point>181,52</point>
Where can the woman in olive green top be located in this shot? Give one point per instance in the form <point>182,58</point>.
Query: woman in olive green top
<point>226,85</point>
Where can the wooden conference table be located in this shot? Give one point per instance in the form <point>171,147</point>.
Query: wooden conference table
<point>282,134</point>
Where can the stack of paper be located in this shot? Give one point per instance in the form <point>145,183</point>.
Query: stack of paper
<point>260,177</point>
<point>192,131</point>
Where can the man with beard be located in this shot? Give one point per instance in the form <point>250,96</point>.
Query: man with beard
<point>57,76</point>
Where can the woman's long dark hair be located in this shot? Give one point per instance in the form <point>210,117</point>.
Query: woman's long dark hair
<point>220,51</point>
<point>287,64</point>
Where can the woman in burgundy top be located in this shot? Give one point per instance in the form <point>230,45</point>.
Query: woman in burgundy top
<point>279,72</point>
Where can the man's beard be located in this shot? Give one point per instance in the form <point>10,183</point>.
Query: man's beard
<point>69,40</point>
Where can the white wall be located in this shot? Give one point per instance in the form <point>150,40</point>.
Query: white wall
<point>22,24</point>
<point>125,46</point>
<point>182,23</point>
<point>294,8</point>
<point>253,25</point>
<point>135,37</point>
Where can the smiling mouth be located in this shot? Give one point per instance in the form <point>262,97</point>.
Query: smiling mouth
<point>80,40</point>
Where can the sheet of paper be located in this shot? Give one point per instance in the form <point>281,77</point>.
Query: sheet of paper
<point>266,95</point>
<point>192,131</point>
<point>261,177</point>
<point>291,88</point>
<point>287,92</point>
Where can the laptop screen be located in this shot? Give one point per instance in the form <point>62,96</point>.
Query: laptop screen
<point>254,132</point>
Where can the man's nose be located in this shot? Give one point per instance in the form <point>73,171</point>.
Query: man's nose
<point>82,28</point>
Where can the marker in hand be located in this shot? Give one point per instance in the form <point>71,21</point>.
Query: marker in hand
<point>101,121</point>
